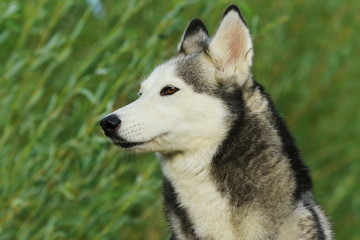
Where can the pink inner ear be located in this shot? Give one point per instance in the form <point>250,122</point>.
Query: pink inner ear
<point>233,47</point>
<point>231,44</point>
<point>235,44</point>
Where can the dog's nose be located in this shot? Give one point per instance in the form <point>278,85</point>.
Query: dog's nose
<point>110,123</point>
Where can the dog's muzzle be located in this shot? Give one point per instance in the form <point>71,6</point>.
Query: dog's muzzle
<point>110,124</point>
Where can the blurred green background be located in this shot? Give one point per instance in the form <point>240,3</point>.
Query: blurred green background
<point>64,64</point>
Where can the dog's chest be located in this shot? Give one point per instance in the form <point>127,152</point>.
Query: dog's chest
<point>208,211</point>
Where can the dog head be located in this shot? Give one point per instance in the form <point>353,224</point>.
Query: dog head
<point>190,101</point>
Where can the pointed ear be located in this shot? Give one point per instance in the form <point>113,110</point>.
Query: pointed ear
<point>195,38</point>
<point>231,48</point>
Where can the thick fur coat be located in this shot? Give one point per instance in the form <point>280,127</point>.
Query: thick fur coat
<point>231,168</point>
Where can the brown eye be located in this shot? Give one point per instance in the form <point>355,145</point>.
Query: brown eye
<point>168,90</point>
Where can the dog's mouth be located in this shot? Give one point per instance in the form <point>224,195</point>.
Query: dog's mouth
<point>123,143</point>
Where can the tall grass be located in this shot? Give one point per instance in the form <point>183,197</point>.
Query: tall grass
<point>64,64</point>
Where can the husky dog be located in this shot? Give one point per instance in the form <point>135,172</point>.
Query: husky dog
<point>231,168</point>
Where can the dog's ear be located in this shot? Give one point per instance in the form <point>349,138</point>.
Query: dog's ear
<point>231,48</point>
<point>195,38</point>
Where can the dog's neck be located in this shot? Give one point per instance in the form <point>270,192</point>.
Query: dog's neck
<point>193,190</point>
<point>188,162</point>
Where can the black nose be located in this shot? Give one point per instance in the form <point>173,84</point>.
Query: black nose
<point>110,123</point>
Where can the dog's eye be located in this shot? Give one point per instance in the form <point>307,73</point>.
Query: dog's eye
<point>168,90</point>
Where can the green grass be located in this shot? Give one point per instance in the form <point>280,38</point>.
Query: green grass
<point>64,65</point>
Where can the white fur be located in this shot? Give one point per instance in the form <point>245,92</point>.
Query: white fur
<point>167,123</point>
<point>325,225</point>
<point>208,210</point>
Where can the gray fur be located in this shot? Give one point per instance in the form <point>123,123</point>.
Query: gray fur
<point>195,38</point>
<point>193,72</point>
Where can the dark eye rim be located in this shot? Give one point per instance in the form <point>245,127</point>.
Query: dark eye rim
<point>168,90</point>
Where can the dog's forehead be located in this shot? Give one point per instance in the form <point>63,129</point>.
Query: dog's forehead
<point>161,75</point>
<point>196,72</point>
<point>191,70</point>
